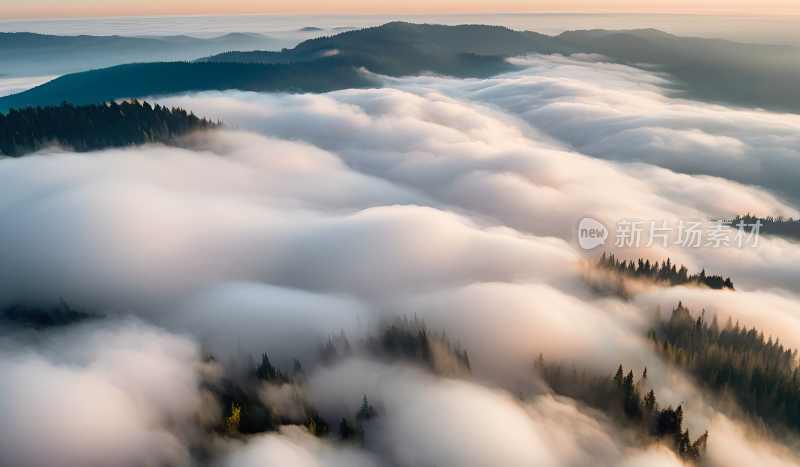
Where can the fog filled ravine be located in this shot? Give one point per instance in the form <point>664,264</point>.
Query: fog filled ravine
<point>393,274</point>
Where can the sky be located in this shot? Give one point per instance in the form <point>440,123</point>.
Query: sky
<point>16,9</point>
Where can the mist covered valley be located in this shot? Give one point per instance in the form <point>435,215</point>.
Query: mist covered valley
<point>392,273</point>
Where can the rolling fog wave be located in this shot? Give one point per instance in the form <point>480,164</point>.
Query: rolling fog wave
<point>452,199</point>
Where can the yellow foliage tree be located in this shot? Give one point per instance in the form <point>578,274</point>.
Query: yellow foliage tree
<point>234,419</point>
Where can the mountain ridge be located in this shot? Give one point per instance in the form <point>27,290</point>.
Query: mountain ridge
<point>711,70</point>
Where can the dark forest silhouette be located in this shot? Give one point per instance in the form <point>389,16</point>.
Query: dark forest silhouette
<point>760,372</point>
<point>771,225</point>
<point>667,273</point>
<point>621,397</point>
<point>94,126</point>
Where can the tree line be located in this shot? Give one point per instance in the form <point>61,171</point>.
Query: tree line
<point>37,317</point>
<point>771,225</point>
<point>94,126</point>
<point>667,273</point>
<point>402,339</point>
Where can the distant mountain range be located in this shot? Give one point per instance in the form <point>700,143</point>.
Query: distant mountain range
<point>29,54</point>
<point>712,70</point>
<point>765,76</point>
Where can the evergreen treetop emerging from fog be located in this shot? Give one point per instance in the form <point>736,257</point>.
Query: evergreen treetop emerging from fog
<point>94,126</point>
<point>667,273</point>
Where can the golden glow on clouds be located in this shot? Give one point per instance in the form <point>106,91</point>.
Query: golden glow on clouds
<point>18,9</point>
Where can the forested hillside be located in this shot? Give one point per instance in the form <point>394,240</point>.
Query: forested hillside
<point>94,126</point>
<point>318,65</point>
<point>622,398</point>
<point>759,371</point>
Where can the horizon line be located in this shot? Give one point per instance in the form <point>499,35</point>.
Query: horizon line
<point>728,12</point>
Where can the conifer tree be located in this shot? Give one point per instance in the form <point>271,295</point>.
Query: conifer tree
<point>265,370</point>
<point>650,403</point>
<point>366,412</point>
<point>618,378</point>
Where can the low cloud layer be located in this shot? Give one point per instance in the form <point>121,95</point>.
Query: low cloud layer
<point>455,200</point>
<point>110,393</point>
<point>10,86</point>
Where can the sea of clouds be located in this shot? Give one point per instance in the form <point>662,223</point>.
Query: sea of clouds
<point>455,200</point>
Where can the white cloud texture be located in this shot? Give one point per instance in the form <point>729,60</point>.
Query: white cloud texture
<point>452,199</point>
<point>116,393</point>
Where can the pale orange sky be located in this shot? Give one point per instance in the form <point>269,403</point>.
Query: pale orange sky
<point>29,9</point>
